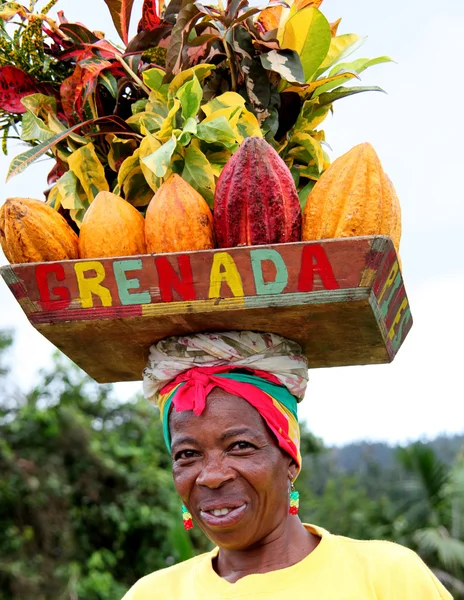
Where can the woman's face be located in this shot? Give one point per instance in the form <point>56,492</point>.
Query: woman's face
<point>229,471</point>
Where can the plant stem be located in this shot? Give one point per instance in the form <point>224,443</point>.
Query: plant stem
<point>135,77</point>
<point>233,74</point>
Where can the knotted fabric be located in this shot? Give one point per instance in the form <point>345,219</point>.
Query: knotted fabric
<point>266,370</point>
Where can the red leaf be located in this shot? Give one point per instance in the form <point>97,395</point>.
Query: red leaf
<point>71,96</point>
<point>58,170</point>
<point>121,13</point>
<point>150,19</point>
<point>14,85</point>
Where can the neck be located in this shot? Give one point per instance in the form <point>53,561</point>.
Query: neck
<point>283,547</point>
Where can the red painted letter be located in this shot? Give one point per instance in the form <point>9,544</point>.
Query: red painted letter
<point>169,279</point>
<point>314,260</point>
<point>42,273</point>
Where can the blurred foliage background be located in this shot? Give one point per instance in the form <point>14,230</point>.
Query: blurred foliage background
<point>87,504</point>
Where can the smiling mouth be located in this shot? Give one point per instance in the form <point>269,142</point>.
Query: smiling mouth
<point>223,517</point>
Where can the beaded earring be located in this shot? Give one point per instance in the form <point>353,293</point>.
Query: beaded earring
<point>188,523</point>
<point>294,500</point>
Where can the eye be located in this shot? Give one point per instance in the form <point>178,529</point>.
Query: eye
<point>185,454</point>
<point>242,445</point>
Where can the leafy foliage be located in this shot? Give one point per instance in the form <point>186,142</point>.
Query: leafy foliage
<point>186,90</point>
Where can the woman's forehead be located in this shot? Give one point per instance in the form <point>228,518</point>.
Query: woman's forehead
<point>222,410</point>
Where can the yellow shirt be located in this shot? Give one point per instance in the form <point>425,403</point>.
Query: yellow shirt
<point>338,569</point>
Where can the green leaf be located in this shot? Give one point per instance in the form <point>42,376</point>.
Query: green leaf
<point>359,65</point>
<point>304,193</point>
<point>200,71</point>
<point>109,81</point>
<point>310,144</point>
<point>190,96</point>
<point>285,62</point>
<point>344,92</point>
<point>33,128</point>
<point>190,126</point>
<point>85,164</point>
<point>308,33</point>
<point>23,160</point>
<point>217,131</point>
<point>159,161</point>
<point>153,78</point>
<point>199,173</point>
<point>71,196</point>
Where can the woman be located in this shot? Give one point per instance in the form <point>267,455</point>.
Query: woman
<point>228,405</point>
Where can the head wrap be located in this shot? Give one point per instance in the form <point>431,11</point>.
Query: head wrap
<point>183,370</point>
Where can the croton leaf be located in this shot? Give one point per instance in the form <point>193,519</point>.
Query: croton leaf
<point>71,96</point>
<point>132,183</point>
<point>147,147</point>
<point>85,164</point>
<point>121,13</point>
<point>78,33</point>
<point>198,172</point>
<point>180,32</point>
<point>14,85</point>
<point>217,131</point>
<point>285,62</point>
<point>308,33</point>
<point>158,162</point>
<point>33,128</point>
<point>200,71</point>
<point>150,18</point>
<point>344,92</point>
<point>71,192</point>
<point>39,104</point>
<point>340,46</point>
<point>23,160</point>
<point>190,96</point>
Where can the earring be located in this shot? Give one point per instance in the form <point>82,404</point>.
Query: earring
<point>294,500</point>
<point>187,517</point>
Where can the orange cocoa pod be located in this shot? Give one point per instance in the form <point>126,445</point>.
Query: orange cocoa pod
<point>111,227</point>
<point>32,231</point>
<point>354,197</point>
<point>178,219</point>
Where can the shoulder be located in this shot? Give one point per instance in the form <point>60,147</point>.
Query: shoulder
<point>163,583</point>
<point>396,571</point>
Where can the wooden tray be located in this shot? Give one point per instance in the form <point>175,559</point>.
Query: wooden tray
<point>343,300</point>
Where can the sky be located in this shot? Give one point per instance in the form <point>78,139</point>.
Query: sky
<point>416,129</point>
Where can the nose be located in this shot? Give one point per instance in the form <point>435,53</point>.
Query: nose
<point>215,473</point>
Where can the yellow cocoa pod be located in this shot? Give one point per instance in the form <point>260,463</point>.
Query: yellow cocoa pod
<point>178,219</point>
<point>111,227</point>
<point>354,197</point>
<point>32,231</point>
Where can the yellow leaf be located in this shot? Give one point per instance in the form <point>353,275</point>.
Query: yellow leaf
<point>248,125</point>
<point>86,166</point>
<point>132,182</point>
<point>165,131</point>
<point>226,100</point>
<point>306,90</point>
<point>201,71</point>
<point>148,146</point>
<point>338,47</point>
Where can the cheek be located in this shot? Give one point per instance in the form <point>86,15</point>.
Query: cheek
<point>184,480</point>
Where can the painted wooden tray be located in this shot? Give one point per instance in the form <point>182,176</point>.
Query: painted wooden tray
<point>343,300</point>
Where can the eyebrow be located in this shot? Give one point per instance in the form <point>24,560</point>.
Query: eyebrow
<point>237,431</point>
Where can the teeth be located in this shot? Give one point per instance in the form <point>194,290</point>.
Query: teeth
<point>220,512</point>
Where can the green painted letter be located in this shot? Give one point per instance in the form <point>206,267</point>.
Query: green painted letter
<point>272,287</point>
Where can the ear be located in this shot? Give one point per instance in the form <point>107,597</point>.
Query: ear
<point>292,470</point>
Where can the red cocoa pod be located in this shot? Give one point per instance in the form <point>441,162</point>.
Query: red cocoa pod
<point>256,201</point>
